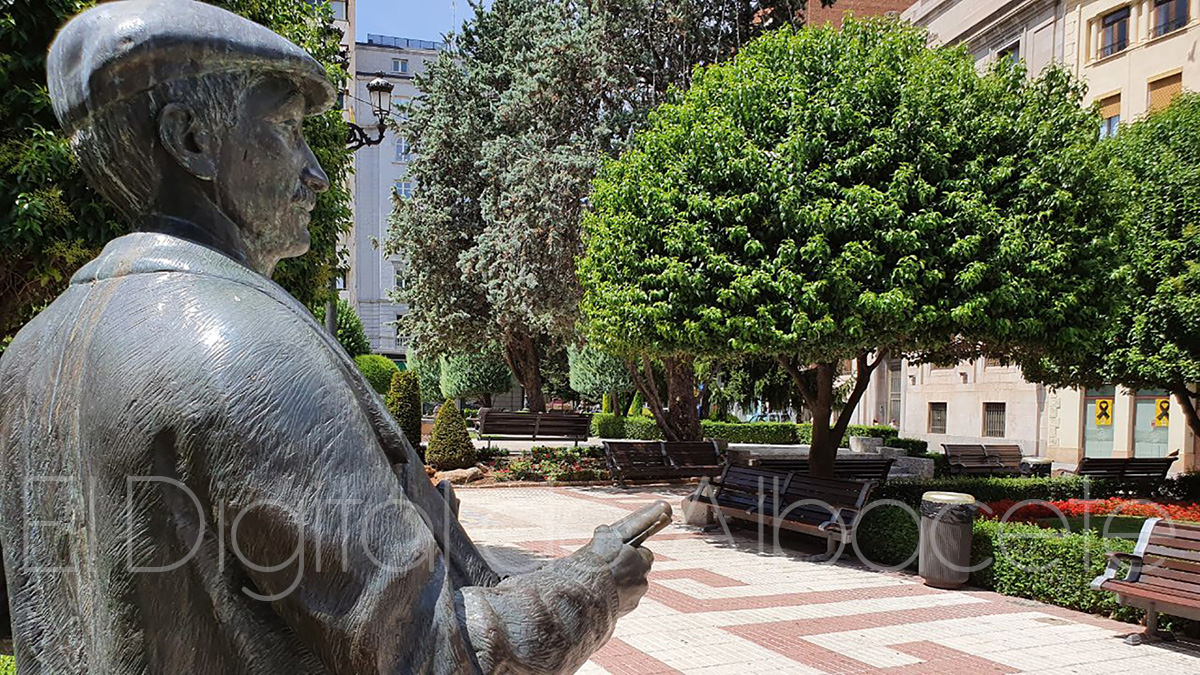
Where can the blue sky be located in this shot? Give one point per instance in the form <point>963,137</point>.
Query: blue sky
<point>420,19</point>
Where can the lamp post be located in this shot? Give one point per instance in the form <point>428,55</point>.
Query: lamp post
<point>380,91</point>
<point>381,104</point>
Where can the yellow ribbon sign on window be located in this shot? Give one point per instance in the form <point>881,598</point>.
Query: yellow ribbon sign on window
<point>1104,412</point>
<point>1162,412</point>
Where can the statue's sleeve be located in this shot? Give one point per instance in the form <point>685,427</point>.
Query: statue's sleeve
<point>323,531</point>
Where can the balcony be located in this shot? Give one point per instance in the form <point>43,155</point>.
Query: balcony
<point>1169,26</point>
<point>1113,48</point>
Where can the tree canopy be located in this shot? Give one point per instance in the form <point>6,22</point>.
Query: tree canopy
<point>514,121</point>
<point>51,221</point>
<point>481,373</point>
<point>1151,339</point>
<point>839,195</point>
<point>596,374</point>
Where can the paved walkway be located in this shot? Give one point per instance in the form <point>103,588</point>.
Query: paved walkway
<point>718,605</point>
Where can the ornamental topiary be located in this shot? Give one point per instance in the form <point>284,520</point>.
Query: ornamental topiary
<point>450,445</point>
<point>350,332</point>
<point>404,402</point>
<point>377,369</point>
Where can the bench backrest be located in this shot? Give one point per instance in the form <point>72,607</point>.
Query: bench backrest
<point>635,454</point>
<point>1009,456</point>
<point>1148,468</point>
<point>692,453</point>
<point>739,481</point>
<point>1171,558</point>
<point>1132,468</point>
<point>570,425</point>
<point>851,468</point>
<point>966,453</point>
<point>824,498</point>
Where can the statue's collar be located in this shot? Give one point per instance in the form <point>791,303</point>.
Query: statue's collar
<point>177,251</point>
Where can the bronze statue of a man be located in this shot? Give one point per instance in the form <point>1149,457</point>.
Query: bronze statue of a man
<point>195,477</point>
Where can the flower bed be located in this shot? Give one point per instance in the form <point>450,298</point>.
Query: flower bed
<point>543,463</point>
<point>1075,508</point>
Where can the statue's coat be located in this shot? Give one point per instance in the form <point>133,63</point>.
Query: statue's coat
<point>167,359</point>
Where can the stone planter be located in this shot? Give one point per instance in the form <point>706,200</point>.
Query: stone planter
<point>865,444</point>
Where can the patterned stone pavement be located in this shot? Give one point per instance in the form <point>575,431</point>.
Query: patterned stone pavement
<point>719,604</point>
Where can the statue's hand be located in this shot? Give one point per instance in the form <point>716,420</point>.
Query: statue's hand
<point>619,546</point>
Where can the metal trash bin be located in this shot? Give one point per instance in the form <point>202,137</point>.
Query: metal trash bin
<point>1037,467</point>
<point>946,522</point>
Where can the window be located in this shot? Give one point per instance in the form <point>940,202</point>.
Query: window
<point>339,9</point>
<point>937,418</point>
<point>1011,52</point>
<point>993,362</point>
<point>1169,16</point>
<point>400,66</point>
<point>399,280</point>
<point>895,387</point>
<point>1110,114</point>
<point>341,281</point>
<point>1114,32</point>
<point>403,151</point>
<point>401,339</point>
<point>993,420</point>
<point>404,189</point>
<point>1164,90</point>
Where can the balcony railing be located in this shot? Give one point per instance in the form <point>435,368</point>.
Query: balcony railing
<point>1170,26</point>
<point>1113,47</point>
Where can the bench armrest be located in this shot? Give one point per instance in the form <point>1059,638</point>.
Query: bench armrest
<point>1115,561</point>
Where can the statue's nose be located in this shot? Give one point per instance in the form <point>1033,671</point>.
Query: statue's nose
<point>314,177</point>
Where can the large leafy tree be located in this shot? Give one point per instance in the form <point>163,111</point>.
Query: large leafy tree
<point>51,222</point>
<point>1152,338</point>
<point>513,124</point>
<point>834,196</point>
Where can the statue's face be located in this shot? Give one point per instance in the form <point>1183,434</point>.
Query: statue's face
<point>267,177</point>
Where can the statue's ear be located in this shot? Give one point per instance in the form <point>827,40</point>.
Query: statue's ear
<point>186,141</point>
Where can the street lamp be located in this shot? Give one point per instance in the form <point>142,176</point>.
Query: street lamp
<point>381,104</point>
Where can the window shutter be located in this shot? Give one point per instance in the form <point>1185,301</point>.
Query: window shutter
<point>1110,107</point>
<point>1164,90</point>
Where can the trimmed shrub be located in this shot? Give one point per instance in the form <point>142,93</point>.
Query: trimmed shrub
<point>404,402</point>
<point>870,431</point>
<point>1000,489</point>
<point>767,433</point>
<point>1184,487</point>
<point>642,427</point>
<point>608,425</point>
<point>378,370</point>
<point>636,405</point>
<point>915,446</point>
<point>450,445</point>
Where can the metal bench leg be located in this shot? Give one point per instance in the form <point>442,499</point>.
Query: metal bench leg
<point>831,547</point>
<point>1152,633</point>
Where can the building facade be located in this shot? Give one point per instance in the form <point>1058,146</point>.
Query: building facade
<point>381,175</point>
<point>817,15</point>
<point>1135,57</point>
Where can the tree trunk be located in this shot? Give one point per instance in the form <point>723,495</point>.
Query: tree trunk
<point>520,351</point>
<point>1189,401</point>
<point>681,392</point>
<point>818,395</point>
<point>679,422</point>
<point>618,404</point>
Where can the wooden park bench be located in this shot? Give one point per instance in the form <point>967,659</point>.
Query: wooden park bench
<point>1163,577</point>
<point>970,460</point>
<point>1007,459</point>
<point>661,460</point>
<point>849,468</point>
<point>1141,472</point>
<point>824,507</point>
<point>571,426</point>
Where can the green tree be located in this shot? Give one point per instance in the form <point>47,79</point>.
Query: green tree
<point>450,445</point>
<point>1152,338</point>
<point>514,122</point>
<point>429,375</point>
<point>832,196</point>
<point>378,370</point>
<point>350,332</point>
<point>478,373</point>
<point>51,221</point>
<point>404,402</point>
<point>598,375</point>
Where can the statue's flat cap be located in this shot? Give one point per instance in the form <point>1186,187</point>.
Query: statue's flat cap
<point>118,50</point>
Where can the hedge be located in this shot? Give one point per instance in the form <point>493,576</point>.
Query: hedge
<point>914,446</point>
<point>378,370</point>
<point>1000,489</point>
<point>605,425</point>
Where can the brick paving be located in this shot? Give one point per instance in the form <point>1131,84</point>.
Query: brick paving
<point>718,604</point>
